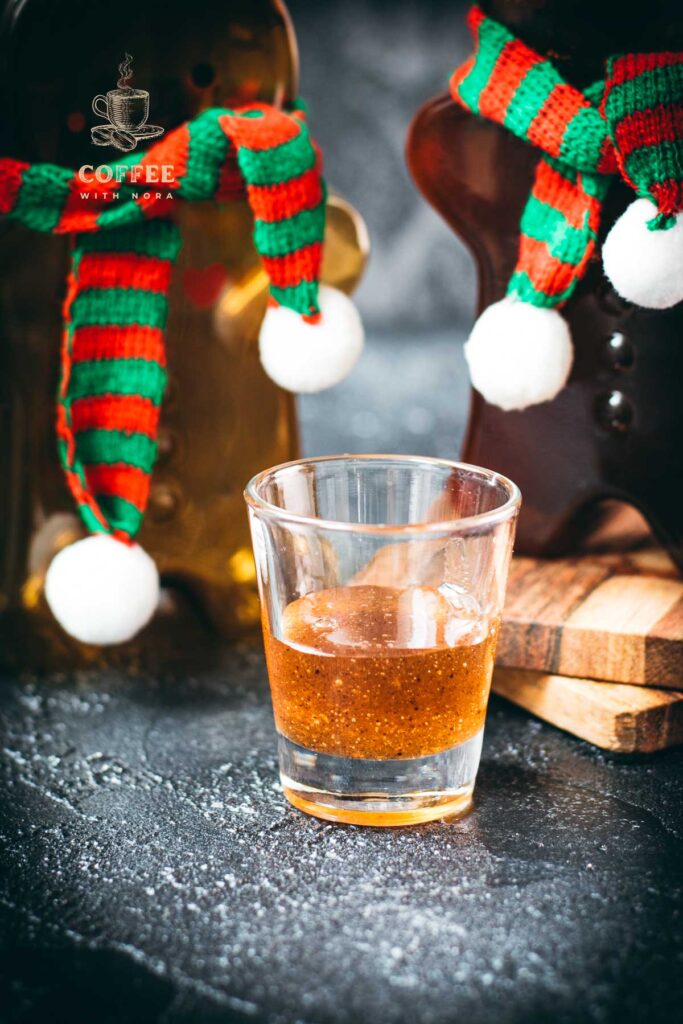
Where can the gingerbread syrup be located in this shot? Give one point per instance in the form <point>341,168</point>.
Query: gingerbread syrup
<point>380,672</point>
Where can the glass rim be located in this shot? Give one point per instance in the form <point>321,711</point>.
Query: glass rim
<point>507,510</point>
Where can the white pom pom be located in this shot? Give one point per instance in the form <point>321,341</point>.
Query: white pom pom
<point>102,591</point>
<point>645,267</point>
<point>519,354</point>
<point>304,357</point>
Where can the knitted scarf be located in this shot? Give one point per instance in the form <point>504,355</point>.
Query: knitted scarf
<point>113,364</point>
<point>629,125</point>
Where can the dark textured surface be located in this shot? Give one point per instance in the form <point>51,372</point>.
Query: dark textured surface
<point>151,871</point>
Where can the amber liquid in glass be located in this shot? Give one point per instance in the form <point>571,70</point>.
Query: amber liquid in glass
<point>377,672</point>
<point>381,673</point>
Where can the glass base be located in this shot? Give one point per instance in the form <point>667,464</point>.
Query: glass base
<point>364,792</point>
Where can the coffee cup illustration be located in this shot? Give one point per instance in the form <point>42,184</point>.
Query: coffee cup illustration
<point>123,108</point>
<point>126,111</point>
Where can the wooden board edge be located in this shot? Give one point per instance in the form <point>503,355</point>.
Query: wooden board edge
<point>622,718</point>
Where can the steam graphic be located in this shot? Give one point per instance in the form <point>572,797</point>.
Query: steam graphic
<point>125,111</point>
<point>125,73</point>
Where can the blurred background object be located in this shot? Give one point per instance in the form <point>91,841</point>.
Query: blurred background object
<point>222,419</point>
<point>367,65</point>
<point>611,431</point>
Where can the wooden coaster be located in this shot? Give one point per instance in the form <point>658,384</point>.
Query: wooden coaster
<point>609,616</point>
<point>624,719</point>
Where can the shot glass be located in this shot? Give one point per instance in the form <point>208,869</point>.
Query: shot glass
<point>382,581</point>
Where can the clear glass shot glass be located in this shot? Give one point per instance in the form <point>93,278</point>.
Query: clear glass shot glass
<point>382,580</point>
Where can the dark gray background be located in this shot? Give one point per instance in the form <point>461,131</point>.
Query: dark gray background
<point>366,68</point>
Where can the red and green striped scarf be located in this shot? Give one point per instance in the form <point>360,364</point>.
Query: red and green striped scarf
<point>113,372</point>
<point>631,125</point>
